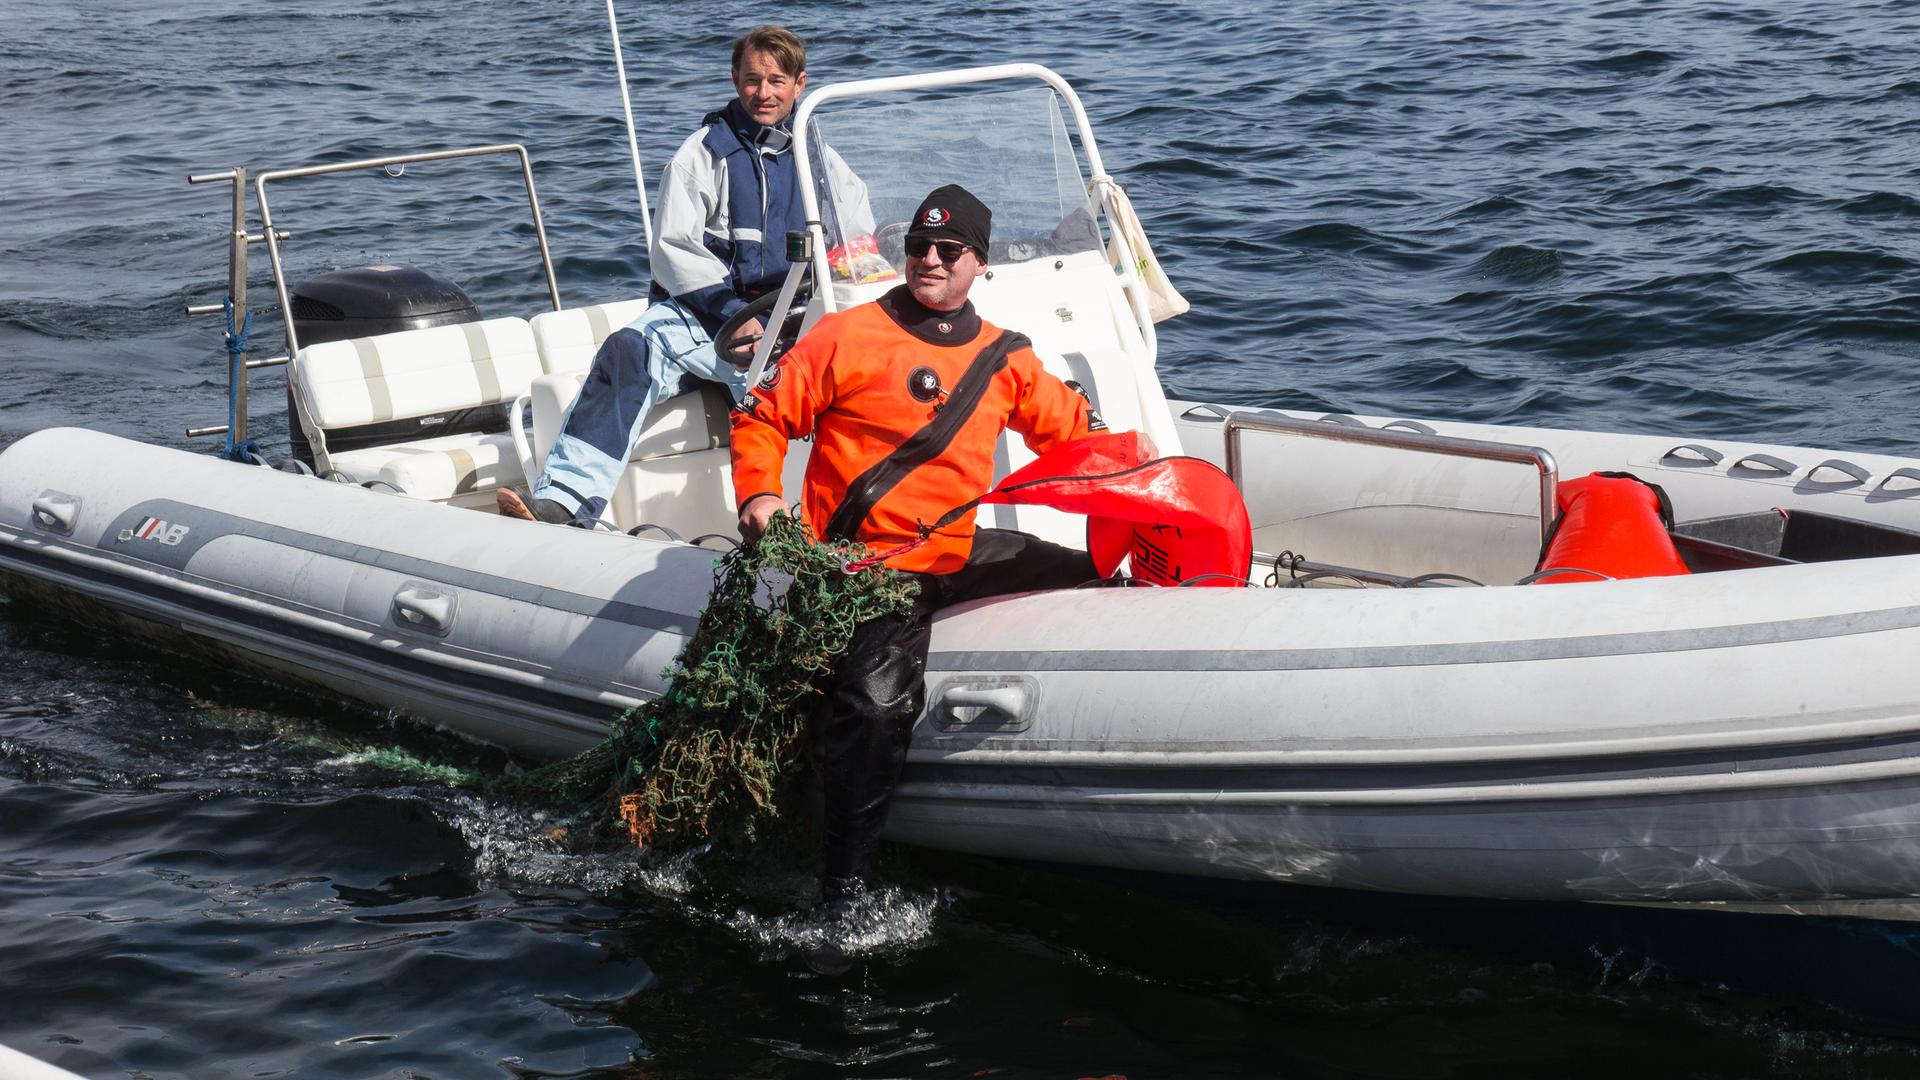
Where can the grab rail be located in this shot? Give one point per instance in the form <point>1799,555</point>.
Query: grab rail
<point>1097,169</point>
<point>273,238</point>
<point>1540,458</point>
<point>238,363</point>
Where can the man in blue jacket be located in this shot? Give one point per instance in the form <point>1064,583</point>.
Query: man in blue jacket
<point>726,202</point>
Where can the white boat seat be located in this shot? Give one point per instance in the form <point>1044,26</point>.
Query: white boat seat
<point>690,489</point>
<point>678,475</point>
<point>567,339</point>
<point>682,424</point>
<point>417,373</point>
<point>461,469</point>
<point>678,472</point>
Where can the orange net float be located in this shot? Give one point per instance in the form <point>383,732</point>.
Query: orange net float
<point>1610,523</point>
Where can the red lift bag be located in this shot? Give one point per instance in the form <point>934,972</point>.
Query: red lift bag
<point>1180,518</point>
<point>1614,524</point>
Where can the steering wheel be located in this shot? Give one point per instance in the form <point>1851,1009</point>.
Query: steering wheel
<point>736,348</point>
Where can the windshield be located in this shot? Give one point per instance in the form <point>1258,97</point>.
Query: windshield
<point>1010,148</point>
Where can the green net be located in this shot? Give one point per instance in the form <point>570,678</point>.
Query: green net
<point>708,755</point>
<point>339,747</point>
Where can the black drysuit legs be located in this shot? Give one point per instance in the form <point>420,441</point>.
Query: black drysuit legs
<point>878,690</point>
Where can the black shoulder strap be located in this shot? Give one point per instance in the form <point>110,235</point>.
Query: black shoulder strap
<point>1659,496</point>
<point>928,443</point>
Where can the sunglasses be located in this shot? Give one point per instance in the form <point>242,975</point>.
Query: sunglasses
<point>950,250</point>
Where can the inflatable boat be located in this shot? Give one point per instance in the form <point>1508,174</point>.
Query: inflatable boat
<point>1395,697</point>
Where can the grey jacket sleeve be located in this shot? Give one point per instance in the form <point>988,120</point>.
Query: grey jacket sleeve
<point>693,204</point>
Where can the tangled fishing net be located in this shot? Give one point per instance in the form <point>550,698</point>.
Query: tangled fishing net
<point>708,755</point>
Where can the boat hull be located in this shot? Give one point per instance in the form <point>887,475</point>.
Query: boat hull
<point>1639,742</point>
<point>1848,839</point>
<point>1745,736</point>
<point>527,639</point>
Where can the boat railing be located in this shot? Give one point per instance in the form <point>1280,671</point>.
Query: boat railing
<point>400,161</point>
<point>235,306</point>
<point>1321,498</point>
<point>1099,183</point>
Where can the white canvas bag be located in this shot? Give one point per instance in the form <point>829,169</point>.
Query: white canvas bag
<point>1163,300</point>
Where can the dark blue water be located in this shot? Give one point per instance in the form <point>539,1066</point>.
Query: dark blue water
<point>1684,217</point>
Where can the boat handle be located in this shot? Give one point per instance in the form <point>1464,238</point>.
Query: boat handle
<point>1764,463</point>
<point>1858,473</point>
<point>1696,456</point>
<point>1009,701</point>
<point>1902,473</point>
<point>424,608</point>
<point>517,432</point>
<point>1414,426</point>
<point>56,511</point>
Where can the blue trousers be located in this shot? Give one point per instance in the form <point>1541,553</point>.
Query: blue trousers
<point>662,353</point>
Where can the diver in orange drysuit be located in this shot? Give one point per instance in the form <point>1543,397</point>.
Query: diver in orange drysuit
<point>863,382</point>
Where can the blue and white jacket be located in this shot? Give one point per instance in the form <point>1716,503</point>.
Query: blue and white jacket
<point>726,202</point>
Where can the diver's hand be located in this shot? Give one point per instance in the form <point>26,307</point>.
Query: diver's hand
<point>755,515</point>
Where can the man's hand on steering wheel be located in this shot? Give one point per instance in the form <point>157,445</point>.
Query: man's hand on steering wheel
<point>739,337</point>
<point>748,336</point>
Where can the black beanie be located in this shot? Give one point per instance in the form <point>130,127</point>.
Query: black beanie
<point>952,213</point>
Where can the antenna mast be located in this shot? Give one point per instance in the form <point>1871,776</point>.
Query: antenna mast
<point>633,141</point>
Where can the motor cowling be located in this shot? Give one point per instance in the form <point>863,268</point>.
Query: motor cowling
<point>362,301</point>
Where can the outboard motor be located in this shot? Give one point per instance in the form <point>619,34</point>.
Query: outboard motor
<point>362,301</point>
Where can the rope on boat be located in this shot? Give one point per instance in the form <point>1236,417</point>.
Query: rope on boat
<point>708,756</point>
<point>246,450</point>
<point>1288,562</point>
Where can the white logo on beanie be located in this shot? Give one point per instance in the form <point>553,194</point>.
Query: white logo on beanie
<point>934,216</point>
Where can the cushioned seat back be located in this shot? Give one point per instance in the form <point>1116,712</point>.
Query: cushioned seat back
<point>1073,310</point>
<point>568,339</point>
<point>414,373</point>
